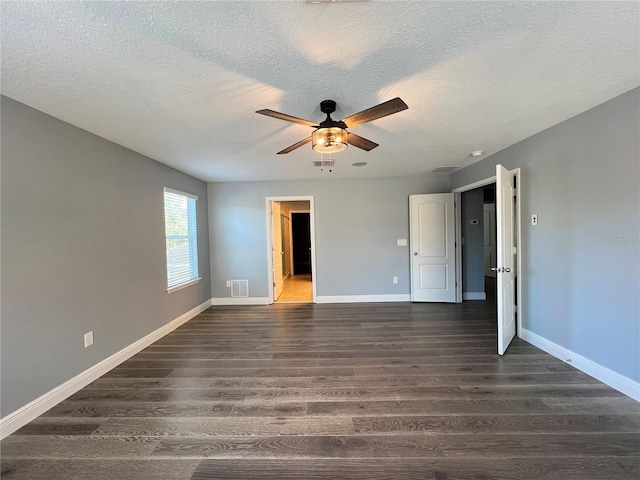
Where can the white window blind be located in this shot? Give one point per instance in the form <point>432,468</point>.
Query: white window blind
<point>181,232</point>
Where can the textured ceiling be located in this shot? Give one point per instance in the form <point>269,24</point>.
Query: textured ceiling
<point>180,82</point>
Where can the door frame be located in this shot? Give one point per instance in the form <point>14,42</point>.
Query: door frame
<point>291,198</point>
<point>518,229</point>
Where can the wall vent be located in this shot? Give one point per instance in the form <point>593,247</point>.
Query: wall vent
<point>239,288</point>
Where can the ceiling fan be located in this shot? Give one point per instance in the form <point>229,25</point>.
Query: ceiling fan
<point>331,136</point>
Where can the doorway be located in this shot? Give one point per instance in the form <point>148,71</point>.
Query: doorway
<point>509,254</point>
<point>291,250</point>
<point>489,241</point>
<point>479,244</point>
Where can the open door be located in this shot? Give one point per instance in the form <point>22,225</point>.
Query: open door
<point>506,266</point>
<point>276,250</point>
<point>433,257</point>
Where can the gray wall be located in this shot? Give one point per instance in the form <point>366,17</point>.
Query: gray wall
<point>473,247</point>
<point>82,249</point>
<point>581,263</point>
<point>357,224</point>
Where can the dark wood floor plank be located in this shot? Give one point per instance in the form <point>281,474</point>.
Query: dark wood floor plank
<point>138,372</point>
<point>598,468</point>
<point>541,391</point>
<point>225,426</point>
<point>255,382</point>
<point>404,446</point>
<point>415,358</point>
<point>97,469</point>
<point>593,405</point>
<point>58,426</point>
<point>260,372</point>
<point>452,369</point>
<point>155,395</point>
<point>43,446</point>
<point>149,354</point>
<point>431,407</point>
<point>498,424</point>
<point>176,409</point>
<point>262,349</point>
<point>400,380</point>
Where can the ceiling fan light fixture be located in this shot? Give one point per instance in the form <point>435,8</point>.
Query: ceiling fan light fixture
<point>329,139</point>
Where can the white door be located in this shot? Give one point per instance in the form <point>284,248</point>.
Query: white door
<point>433,257</point>
<point>276,250</point>
<point>506,266</point>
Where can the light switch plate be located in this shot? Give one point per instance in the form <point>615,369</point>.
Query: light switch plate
<point>88,339</point>
<point>402,242</point>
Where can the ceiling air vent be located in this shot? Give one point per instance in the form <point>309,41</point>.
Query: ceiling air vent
<point>239,288</point>
<point>324,163</point>
<point>445,169</point>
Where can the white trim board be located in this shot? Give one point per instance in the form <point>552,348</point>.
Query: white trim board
<point>364,298</point>
<point>474,185</point>
<point>240,301</point>
<point>474,296</point>
<point>614,380</point>
<point>37,407</point>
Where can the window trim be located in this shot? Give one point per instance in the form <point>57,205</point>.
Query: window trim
<point>184,285</point>
<point>192,281</point>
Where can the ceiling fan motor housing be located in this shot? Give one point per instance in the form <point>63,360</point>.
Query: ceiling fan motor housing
<point>327,106</point>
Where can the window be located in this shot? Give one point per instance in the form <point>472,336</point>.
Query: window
<point>181,239</point>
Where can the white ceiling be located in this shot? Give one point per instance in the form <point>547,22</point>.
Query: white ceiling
<point>180,82</point>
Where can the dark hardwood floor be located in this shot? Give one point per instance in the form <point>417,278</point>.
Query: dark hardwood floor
<point>350,391</point>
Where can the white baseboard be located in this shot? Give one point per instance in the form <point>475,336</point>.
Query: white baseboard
<point>614,380</point>
<point>474,296</point>
<point>363,298</point>
<point>240,301</point>
<point>37,407</point>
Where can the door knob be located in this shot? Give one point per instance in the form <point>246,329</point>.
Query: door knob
<point>506,270</point>
<point>415,254</point>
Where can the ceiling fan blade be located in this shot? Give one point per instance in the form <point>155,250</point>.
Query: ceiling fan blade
<point>382,110</point>
<point>360,142</point>
<point>284,116</point>
<point>295,145</point>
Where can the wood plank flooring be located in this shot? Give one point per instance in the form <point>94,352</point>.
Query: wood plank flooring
<point>350,391</point>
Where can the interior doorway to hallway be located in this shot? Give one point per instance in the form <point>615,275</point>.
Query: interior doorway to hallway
<point>291,249</point>
<point>509,254</point>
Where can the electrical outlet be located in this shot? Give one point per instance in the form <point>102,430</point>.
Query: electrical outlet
<point>534,219</point>
<point>228,283</point>
<point>395,279</point>
<point>88,339</point>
